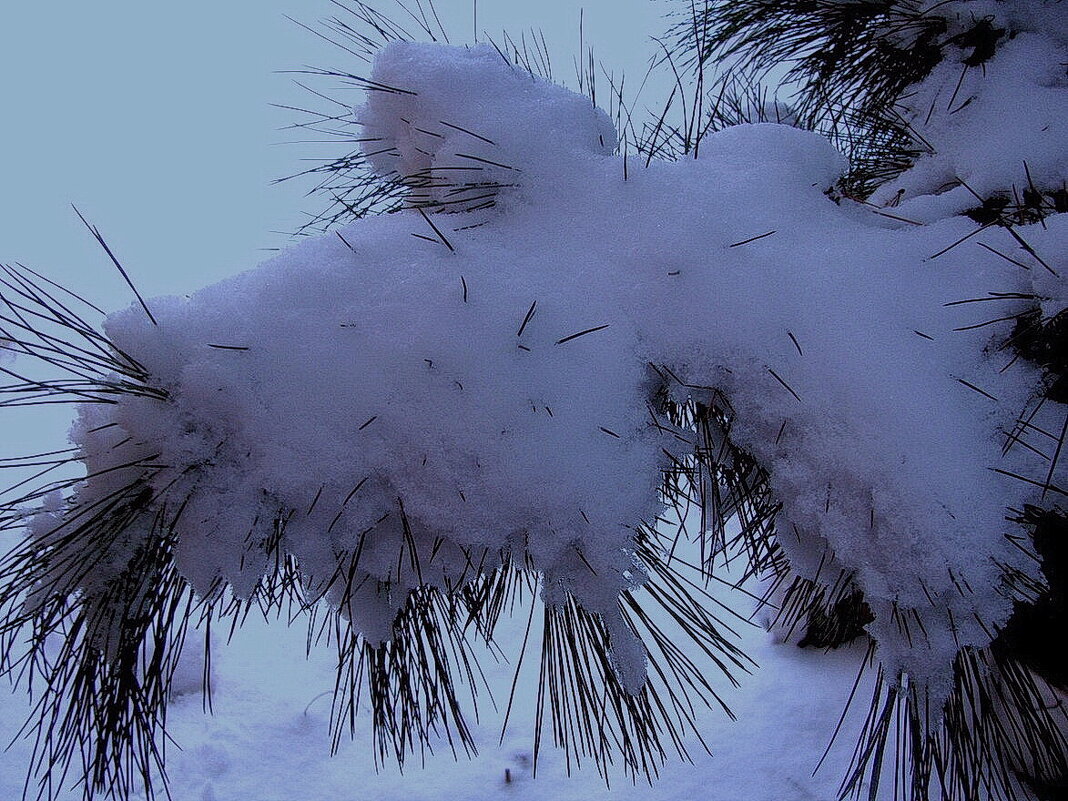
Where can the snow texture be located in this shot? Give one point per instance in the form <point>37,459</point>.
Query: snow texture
<point>463,388</point>
<point>981,136</point>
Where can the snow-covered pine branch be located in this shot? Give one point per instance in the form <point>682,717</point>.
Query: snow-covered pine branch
<point>421,415</point>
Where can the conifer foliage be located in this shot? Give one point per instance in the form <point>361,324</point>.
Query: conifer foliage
<point>945,108</point>
<point>529,326</point>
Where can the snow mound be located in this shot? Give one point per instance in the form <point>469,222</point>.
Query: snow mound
<point>444,124</point>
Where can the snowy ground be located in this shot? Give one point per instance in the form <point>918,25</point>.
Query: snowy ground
<point>269,740</point>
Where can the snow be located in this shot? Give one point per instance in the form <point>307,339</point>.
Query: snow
<point>380,388</point>
<point>1050,286</point>
<point>521,124</point>
<point>980,133</point>
<point>265,734</point>
<point>468,384</point>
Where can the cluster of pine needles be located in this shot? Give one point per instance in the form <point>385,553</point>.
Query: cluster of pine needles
<point>1003,732</point>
